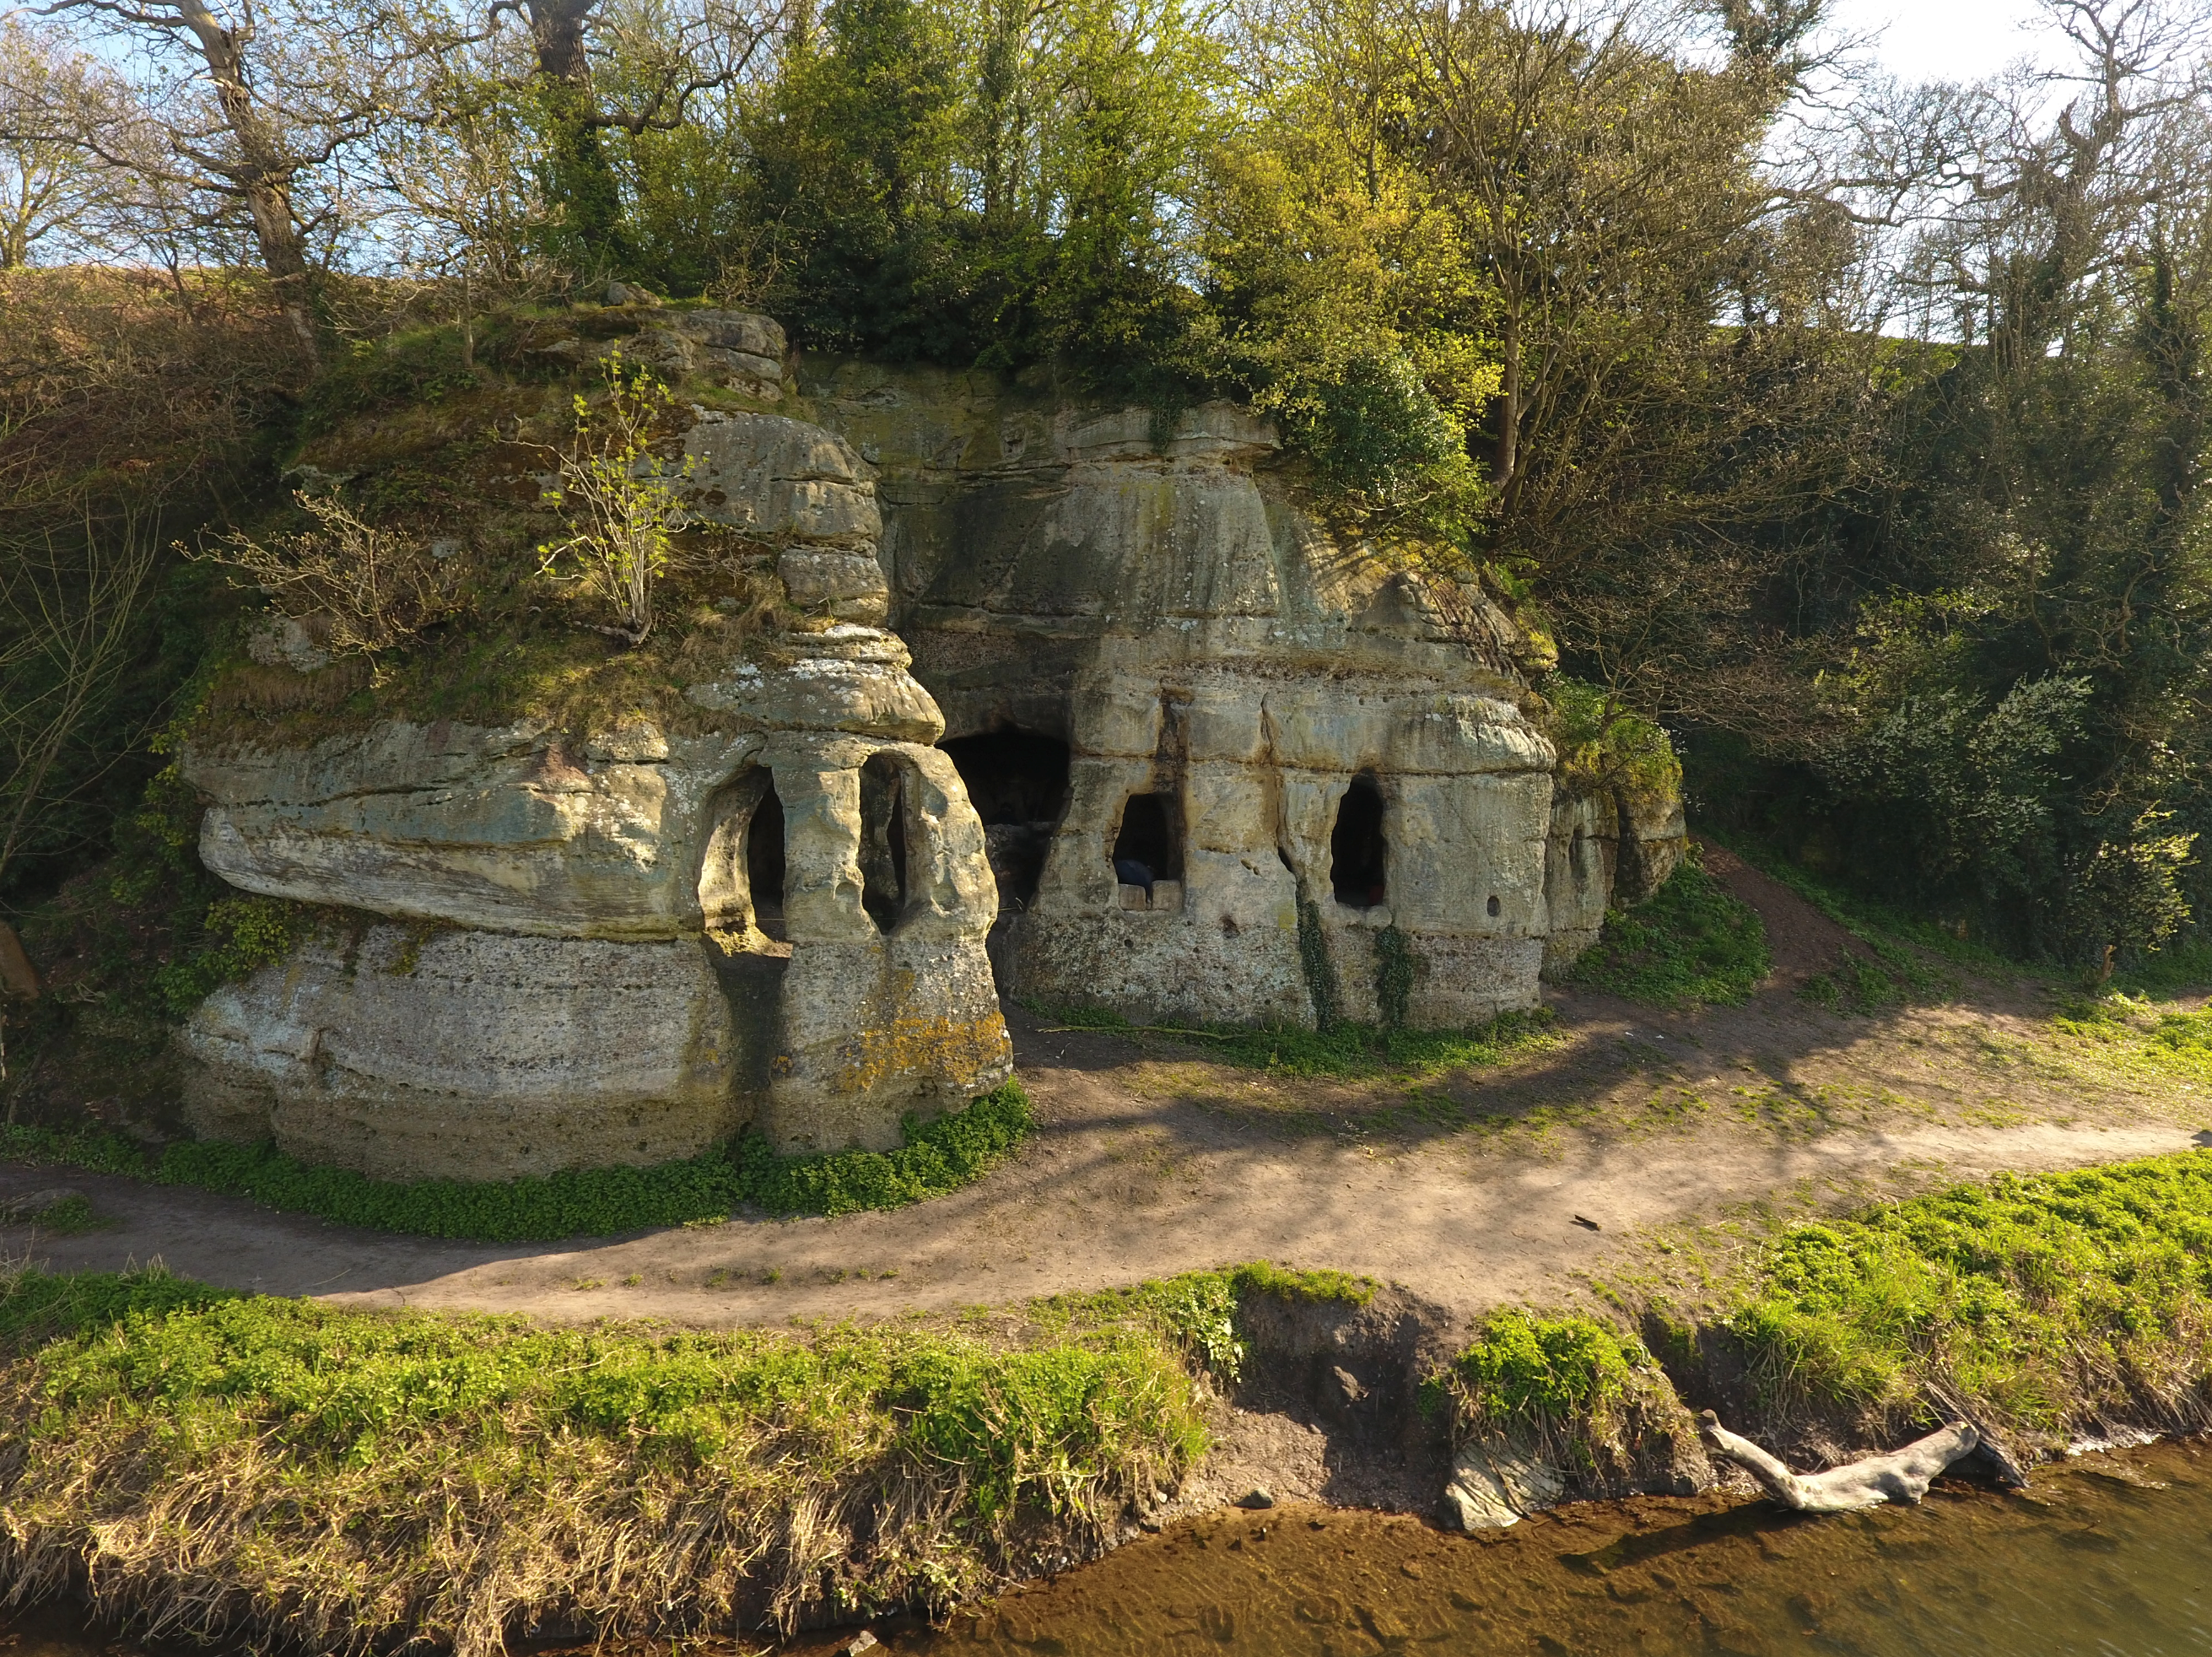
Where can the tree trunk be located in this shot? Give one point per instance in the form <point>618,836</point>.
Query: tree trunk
<point>263,175</point>
<point>580,178</point>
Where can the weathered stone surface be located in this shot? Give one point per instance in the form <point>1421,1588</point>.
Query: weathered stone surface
<point>1578,865</point>
<point>833,1009</point>
<point>505,827</point>
<point>1144,598</point>
<point>1495,1485</point>
<point>779,479</point>
<point>470,1055</point>
<point>1348,811</point>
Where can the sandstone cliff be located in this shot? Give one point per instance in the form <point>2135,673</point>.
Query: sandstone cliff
<point>1161,741</point>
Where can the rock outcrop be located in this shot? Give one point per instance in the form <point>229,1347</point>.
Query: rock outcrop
<point>1162,745</point>
<point>643,941</point>
<point>1293,781</point>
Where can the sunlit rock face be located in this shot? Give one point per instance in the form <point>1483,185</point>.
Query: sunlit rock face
<point>1230,768</point>
<point>1062,702</point>
<point>621,947</point>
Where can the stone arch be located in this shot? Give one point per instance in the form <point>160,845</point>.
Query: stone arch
<point>892,837</point>
<point>741,872</point>
<point>1359,847</point>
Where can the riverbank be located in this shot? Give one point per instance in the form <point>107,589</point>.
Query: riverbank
<point>209,1464</point>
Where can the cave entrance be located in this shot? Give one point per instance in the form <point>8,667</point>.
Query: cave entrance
<point>764,863</point>
<point>1148,847</point>
<point>887,836</point>
<point>1017,782</point>
<point>1359,853</point>
<point>741,875</point>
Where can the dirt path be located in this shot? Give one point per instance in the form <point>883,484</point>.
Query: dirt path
<point>1467,1188</point>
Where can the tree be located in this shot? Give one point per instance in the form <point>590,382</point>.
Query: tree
<point>258,107</point>
<point>55,198</point>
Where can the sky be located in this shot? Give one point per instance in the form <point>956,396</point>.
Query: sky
<point>1945,40</point>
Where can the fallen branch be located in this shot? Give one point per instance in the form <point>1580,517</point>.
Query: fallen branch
<point>1900,1476</point>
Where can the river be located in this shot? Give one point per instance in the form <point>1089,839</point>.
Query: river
<point>2106,1555</point>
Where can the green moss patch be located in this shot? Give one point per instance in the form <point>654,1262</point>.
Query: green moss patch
<point>348,1481</point>
<point>1691,944</point>
<point>937,1157</point>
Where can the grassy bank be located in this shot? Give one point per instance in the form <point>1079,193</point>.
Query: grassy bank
<point>2043,1308</point>
<point>209,1464</point>
<point>937,1157</point>
<point>1690,943</point>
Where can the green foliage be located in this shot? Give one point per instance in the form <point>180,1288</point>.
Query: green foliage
<point>1314,963</point>
<point>39,1307</point>
<point>1198,1311</point>
<point>1691,943</point>
<point>937,1157</point>
<point>2040,1300</point>
<point>238,936</point>
<point>1342,1048</point>
<point>1542,1372</point>
<point>1393,976</point>
<point>1603,742</point>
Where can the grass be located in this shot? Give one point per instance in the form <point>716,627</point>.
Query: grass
<point>1340,1048</point>
<point>1690,943</point>
<point>280,1471</point>
<point>1582,1394</point>
<point>2152,1042</point>
<point>2041,1304</point>
<point>937,1157</point>
<point>216,1466</point>
<point>1197,1311</point>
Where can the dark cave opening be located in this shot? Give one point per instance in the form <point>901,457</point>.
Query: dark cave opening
<point>1017,782</point>
<point>1358,853</point>
<point>764,863</point>
<point>885,838</point>
<point>1148,847</point>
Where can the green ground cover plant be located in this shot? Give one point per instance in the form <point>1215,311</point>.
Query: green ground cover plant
<point>937,1157</point>
<point>1691,944</point>
<point>1583,1395</point>
<point>1339,1048</point>
<point>2042,1305</point>
<point>343,1481</point>
<point>1197,1311</point>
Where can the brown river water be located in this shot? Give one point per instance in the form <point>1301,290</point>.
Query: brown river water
<point>2110,1555</point>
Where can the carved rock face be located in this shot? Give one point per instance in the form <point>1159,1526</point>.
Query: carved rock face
<point>1357,817</point>
<point>780,921</point>
<point>1232,770</point>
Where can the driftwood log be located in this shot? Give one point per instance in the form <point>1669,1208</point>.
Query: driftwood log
<point>1900,1476</point>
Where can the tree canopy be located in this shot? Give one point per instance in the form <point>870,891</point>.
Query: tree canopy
<point>1852,429</point>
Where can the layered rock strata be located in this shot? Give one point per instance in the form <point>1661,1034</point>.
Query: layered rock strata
<point>625,947</point>
<point>1345,808</point>
<point>1162,743</point>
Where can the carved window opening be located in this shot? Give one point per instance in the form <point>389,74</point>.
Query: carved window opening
<point>1359,853</point>
<point>764,863</point>
<point>741,874</point>
<point>887,833</point>
<point>1148,846</point>
<point>1017,783</point>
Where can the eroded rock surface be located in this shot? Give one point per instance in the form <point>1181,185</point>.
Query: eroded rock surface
<point>1057,702</point>
<point>1296,782</point>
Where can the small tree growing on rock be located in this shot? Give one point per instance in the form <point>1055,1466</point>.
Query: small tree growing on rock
<point>618,499</point>
<point>358,589</point>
